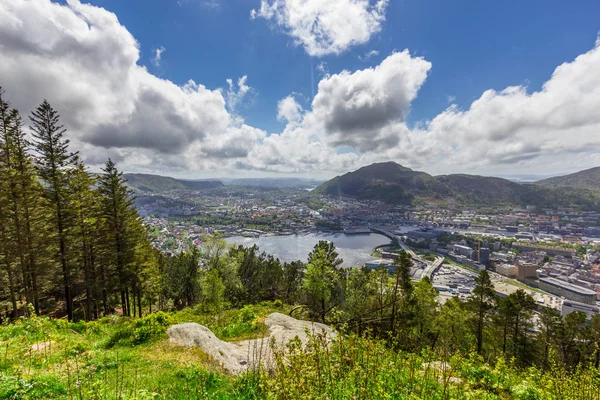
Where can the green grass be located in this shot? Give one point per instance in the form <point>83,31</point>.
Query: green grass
<point>120,358</point>
<point>514,282</point>
<point>117,357</point>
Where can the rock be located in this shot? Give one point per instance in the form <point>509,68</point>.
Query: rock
<point>238,357</point>
<point>41,347</point>
<point>445,371</point>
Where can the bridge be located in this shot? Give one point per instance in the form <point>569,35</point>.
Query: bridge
<point>431,267</point>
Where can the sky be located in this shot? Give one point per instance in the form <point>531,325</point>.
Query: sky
<point>312,88</point>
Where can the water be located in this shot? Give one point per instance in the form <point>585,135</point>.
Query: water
<point>353,249</point>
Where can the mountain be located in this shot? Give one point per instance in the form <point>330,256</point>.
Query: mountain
<point>157,184</point>
<point>393,183</point>
<point>275,183</point>
<point>586,179</point>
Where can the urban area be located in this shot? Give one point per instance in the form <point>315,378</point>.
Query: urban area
<point>553,254</point>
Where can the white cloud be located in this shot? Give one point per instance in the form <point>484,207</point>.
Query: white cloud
<point>368,55</point>
<point>325,27</point>
<point>450,98</point>
<point>157,55</point>
<point>109,103</point>
<point>235,97</point>
<point>289,110</point>
<point>322,69</point>
<point>112,106</point>
<point>357,109</point>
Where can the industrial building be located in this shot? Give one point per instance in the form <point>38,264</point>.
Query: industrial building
<point>424,234</point>
<point>508,270</point>
<point>527,271</point>
<point>484,256</point>
<point>568,290</point>
<point>461,250</point>
<point>569,306</point>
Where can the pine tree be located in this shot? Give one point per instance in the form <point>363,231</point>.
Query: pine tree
<point>121,231</point>
<point>481,303</point>
<point>7,251</point>
<point>85,234</point>
<point>321,280</point>
<point>53,162</point>
<point>402,292</point>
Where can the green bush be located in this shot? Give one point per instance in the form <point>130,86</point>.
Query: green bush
<point>141,330</point>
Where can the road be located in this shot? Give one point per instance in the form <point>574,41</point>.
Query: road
<point>431,266</point>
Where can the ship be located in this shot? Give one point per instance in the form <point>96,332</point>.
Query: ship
<point>354,230</point>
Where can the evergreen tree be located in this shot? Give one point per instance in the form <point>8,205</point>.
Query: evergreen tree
<point>550,321</point>
<point>481,303</point>
<point>86,213</point>
<point>23,216</point>
<point>121,231</point>
<point>54,162</point>
<point>321,280</point>
<point>521,306</point>
<point>402,295</point>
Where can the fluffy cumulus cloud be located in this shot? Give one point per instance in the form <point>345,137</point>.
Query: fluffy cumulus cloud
<point>516,128</point>
<point>359,109</point>
<point>84,62</point>
<point>325,27</point>
<point>289,110</point>
<point>502,132</point>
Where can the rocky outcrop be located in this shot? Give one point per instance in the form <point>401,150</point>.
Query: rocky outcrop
<point>239,356</point>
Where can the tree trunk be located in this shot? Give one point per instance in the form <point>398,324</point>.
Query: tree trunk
<point>480,330</point>
<point>139,297</point>
<point>504,337</point>
<point>12,289</point>
<point>63,262</point>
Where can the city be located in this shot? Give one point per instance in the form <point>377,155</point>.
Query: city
<point>554,254</point>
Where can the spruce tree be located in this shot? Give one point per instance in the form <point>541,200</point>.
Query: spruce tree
<point>321,280</point>
<point>121,231</point>
<point>7,250</point>
<point>86,210</point>
<point>53,162</point>
<point>481,303</point>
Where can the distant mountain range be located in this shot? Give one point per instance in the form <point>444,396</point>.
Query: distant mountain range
<point>148,183</point>
<point>586,179</point>
<point>393,183</point>
<point>271,183</point>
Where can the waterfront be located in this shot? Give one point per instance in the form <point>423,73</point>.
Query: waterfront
<point>353,249</point>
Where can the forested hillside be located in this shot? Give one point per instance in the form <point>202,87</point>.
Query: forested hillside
<point>393,183</point>
<point>147,183</point>
<point>586,179</point>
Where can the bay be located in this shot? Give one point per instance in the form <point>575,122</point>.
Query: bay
<point>353,249</point>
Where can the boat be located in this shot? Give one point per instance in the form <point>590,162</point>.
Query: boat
<point>356,230</point>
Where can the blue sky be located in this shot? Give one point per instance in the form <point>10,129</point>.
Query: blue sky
<point>429,108</point>
<point>473,46</point>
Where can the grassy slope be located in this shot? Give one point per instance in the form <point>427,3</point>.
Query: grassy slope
<point>100,360</point>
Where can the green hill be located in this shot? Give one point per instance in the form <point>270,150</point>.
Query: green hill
<point>157,184</point>
<point>393,183</point>
<point>586,179</point>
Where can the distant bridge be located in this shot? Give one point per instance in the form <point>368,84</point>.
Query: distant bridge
<point>431,268</point>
